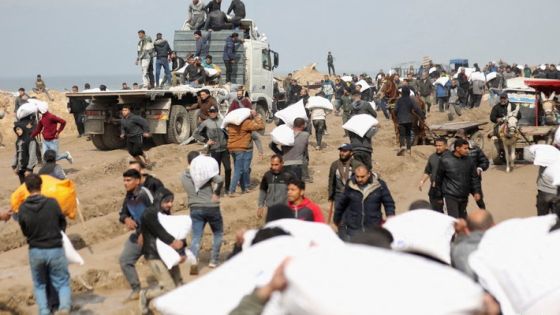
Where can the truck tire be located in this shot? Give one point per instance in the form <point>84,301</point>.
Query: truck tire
<point>179,127</point>
<point>98,143</point>
<point>111,137</point>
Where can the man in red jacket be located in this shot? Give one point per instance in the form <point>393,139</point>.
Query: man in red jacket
<point>50,126</point>
<point>304,209</point>
<point>241,101</point>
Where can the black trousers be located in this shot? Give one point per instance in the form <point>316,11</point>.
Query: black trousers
<point>319,126</point>
<point>224,159</point>
<point>545,202</point>
<point>331,66</point>
<point>405,135</point>
<point>436,202</point>
<point>296,170</point>
<point>229,70</point>
<point>456,207</point>
<point>79,120</point>
<point>363,157</point>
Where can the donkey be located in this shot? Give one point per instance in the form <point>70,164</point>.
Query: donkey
<point>549,108</point>
<point>509,133</point>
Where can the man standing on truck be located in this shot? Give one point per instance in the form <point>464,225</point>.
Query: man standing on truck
<point>229,55</point>
<point>145,51</point>
<point>163,51</point>
<point>330,63</point>
<point>238,9</point>
<point>134,129</point>
<point>77,107</point>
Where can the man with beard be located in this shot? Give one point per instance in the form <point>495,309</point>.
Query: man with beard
<point>274,186</point>
<point>340,172</point>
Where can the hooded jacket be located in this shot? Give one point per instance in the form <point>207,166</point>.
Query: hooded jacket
<point>362,107</point>
<point>152,228</point>
<point>211,129</point>
<point>404,108</point>
<point>41,221</point>
<point>360,208</point>
<point>162,48</point>
<point>25,158</point>
<point>52,169</point>
<point>307,211</point>
<point>274,189</point>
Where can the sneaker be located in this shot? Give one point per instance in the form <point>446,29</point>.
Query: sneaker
<point>401,152</point>
<point>326,133</point>
<point>317,147</point>
<point>194,270</point>
<point>212,265</point>
<point>133,296</point>
<point>143,303</point>
<point>69,157</point>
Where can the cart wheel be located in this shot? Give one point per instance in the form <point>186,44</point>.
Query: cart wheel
<point>478,139</point>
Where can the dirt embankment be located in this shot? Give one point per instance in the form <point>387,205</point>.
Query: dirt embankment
<point>99,183</point>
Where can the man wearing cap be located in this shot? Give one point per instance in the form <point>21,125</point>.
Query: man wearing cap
<point>499,114</point>
<point>204,103</point>
<point>340,172</point>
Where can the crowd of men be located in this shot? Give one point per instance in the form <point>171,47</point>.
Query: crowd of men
<point>359,199</point>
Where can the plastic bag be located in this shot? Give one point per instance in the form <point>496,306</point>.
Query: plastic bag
<point>360,124</point>
<point>203,168</point>
<point>177,226</point>
<point>545,154</point>
<point>236,117</point>
<point>70,252</point>
<point>283,135</point>
<point>63,191</point>
<point>290,113</point>
<point>425,231</point>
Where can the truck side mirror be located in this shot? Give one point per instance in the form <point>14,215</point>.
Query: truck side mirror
<point>276,60</point>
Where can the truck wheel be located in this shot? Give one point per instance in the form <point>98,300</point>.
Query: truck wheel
<point>179,127</point>
<point>112,138</point>
<point>97,141</point>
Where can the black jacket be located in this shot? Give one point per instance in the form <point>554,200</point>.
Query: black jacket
<point>177,63</point>
<point>457,177</point>
<point>500,111</point>
<point>273,189</point>
<point>479,158</point>
<point>134,125</point>
<point>194,73</point>
<point>152,228</point>
<point>77,106</point>
<point>404,108</point>
<point>238,8</point>
<point>361,209</point>
<point>41,222</point>
<point>425,87</point>
<point>162,48</point>
<point>153,184</point>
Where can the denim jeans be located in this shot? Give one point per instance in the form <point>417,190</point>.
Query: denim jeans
<point>129,256</point>
<point>51,261</point>
<point>53,145</point>
<point>212,216</point>
<point>241,165</point>
<point>162,62</point>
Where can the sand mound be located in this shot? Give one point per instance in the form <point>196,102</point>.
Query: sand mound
<point>308,75</point>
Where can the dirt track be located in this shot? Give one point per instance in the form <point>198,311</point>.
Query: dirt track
<point>98,178</point>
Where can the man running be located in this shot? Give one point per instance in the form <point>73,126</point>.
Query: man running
<point>134,129</point>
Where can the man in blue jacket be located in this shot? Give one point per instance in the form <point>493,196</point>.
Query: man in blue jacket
<point>359,208</point>
<point>229,54</point>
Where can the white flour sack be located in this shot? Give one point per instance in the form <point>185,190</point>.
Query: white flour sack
<point>424,231</point>
<point>283,135</point>
<point>177,226</point>
<point>360,124</point>
<point>319,102</point>
<point>236,117</point>
<point>517,262</point>
<point>220,291</point>
<point>290,113</point>
<point>545,154</point>
<point>202,169</point>
<point>70,252</point>
<point>362,280</point>
<point>314,233</point>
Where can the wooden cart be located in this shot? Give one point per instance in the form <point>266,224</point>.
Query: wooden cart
<point>472,129</point>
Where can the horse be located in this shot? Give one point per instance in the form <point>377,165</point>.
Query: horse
<point>419,125</point>
<point>549,106</point>
<point>508,133</point>
<point>390,92</point>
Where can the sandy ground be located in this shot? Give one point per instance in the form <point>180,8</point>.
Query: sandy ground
<point>98,178</point>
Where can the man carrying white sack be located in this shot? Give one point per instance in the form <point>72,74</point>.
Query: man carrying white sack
<point>294,155</point>
<point>152,230</point>
<point>204,205</point>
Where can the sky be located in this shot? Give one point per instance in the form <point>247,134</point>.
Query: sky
<point>97,38</point>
